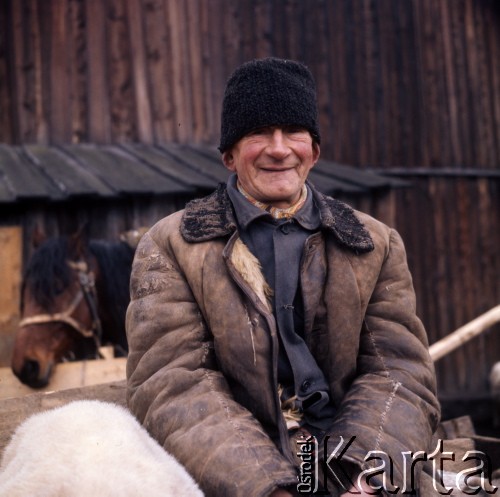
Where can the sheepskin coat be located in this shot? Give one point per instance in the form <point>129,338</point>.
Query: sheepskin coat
<point>202,368</point>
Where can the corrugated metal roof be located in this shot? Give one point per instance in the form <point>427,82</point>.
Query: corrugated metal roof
<point>57,173</point>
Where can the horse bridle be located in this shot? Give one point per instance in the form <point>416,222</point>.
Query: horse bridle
<point>87,290</point>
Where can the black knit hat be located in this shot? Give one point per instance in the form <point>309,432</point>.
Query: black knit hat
<point>268,92</point>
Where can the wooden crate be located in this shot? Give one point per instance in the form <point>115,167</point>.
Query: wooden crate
<point>10,288</point>
<point>67,375</point>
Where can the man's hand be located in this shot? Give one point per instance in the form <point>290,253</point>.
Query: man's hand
<point>280,492</point>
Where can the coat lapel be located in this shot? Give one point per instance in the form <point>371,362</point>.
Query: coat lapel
<point>213,217</point>
<point>338,349</point>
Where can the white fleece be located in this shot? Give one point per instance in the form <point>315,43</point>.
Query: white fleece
<point>89,448</point>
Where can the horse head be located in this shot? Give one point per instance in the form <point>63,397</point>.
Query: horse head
<point>59,318</point>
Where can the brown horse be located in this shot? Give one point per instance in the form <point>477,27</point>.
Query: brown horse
<point>74,298</point>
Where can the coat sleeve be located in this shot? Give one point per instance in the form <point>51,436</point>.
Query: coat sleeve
<point>177,392</point>
<point>391,406</point>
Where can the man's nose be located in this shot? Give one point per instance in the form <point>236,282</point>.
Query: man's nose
<point>277,146</point>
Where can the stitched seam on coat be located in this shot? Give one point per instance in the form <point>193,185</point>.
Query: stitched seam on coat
<point>395,387</point>
<point>377,352</point>
<point>383,417</point>
<point>206,350</point>
<point>250,327</point>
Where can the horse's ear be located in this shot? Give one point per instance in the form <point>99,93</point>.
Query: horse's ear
<point>78,242</point>
<point>38,236</point>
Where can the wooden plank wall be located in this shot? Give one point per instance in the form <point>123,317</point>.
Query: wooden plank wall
<point>401,83</point>
<point>105,219</point>
<point>451,230</point>
<point>10,287</point>
<point>67,375</point>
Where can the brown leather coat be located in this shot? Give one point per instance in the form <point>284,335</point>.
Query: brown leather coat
<point>203,346</point>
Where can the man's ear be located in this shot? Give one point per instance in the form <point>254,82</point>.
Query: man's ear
<point>316,151</point>
<point>228,160</point>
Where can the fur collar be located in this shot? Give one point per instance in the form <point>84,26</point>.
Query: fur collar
<point>212,217</point>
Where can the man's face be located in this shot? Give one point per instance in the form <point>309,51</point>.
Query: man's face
<point>272,163</point>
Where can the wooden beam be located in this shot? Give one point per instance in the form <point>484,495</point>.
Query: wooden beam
<point>10,288</point>
<point>464,333</point>
<point>66,376</point>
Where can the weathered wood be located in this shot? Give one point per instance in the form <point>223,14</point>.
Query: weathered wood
<point>399,83</point>
<point>15,410</point>
<point>465,333</point>
<point>451,83</point>
<point>10,288</point>
<point>17,80</point>
<point>23,176</point>
<point>99,120</point>
<point>139,71</point>
<point>31,67</point>
<point>77,68</point>
<point>166,164</point>
<point>156,39</point>
<point>198,161</point>
<point>180,78</point>
<point>318,177</point>
<point>6,104</point>
<point>74,179</point>
<point>59,101</point>
<point>10,266</point>
<point>450,264</point>
<point>67,375</point>
<point>492,35</point>
<point>194,43</point>
<point>121,173</point>
<point>119,83</point>
<point>488,260</point>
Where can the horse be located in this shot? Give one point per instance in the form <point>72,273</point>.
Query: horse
<point>74,297</point>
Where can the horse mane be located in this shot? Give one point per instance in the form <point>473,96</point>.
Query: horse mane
<point>115,264</point>
<point>47,273</point>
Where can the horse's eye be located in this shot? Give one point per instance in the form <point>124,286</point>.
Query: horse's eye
<point>59,287</point>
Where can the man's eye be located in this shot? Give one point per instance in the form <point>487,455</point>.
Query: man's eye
<point>258,131</point>
<point>294,129</point>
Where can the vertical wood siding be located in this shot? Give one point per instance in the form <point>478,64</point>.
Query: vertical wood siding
<point>409,83</point>
<point>401,84</point>
<point>451,230</point>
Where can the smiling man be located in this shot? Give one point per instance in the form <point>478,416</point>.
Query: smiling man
<point>273,163</point>
<point>268,317</point>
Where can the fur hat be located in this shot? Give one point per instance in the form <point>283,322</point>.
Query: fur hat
<point>268,92</point>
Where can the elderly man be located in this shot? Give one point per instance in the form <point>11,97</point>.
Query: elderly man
<point>269,322</point>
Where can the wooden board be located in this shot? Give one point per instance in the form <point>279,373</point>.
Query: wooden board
<point>10,287</point>
<point>118,171</point>
<point>67,375</point>
<point>72,177</point>
<point>14,411</point>
<point>161,160</point>
<point>25,179</point>
<point>399,83</point>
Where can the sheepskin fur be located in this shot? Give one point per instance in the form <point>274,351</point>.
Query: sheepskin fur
<point>250,269</point>
<point>89,448</point>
